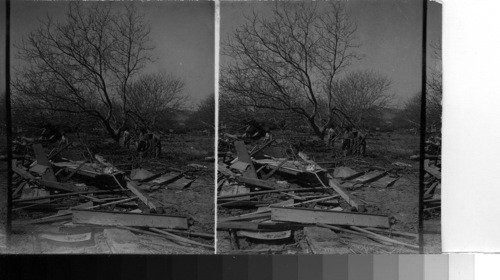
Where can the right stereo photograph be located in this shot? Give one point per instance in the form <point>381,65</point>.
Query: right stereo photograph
<point>321,134</point>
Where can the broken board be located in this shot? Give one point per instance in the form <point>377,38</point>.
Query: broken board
<point>41,158</point>
<point>235,190</point>
<point>271,235</point>
<point>308,216</point>
<point>324,241</point>
<point>108,218</point>
<point>354,202</point>
<point>243,156</point>
<point>122,241</point>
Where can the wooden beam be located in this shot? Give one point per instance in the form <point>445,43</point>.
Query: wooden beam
<point>243,156</point>
<point>64,187</point>
<point>271,191</point>
<point>64,195</point>
<point>21,172</point>
<point>109,218</point>
<point>190,233</point>
<point>73,172</point>
<point>41,158</point>
<point>274,169</point>
<point>144,198</point>
<point>354,202</point>
<point>181,239</point>
<point>263,147</point>
<point>433,171</point>
<point>238,225</point>
<point>309,216</point>
<point>246,217</point>
<point>256,182</point>
<point>386,239</point>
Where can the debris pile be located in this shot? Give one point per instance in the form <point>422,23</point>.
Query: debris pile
<point>91,206</point>
<point>279,200</point>
<point>432,190</point>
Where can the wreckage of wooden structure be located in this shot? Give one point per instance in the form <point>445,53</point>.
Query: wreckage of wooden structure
<point>116,210</point>
<point>297,194</point>
<point>432,196</point>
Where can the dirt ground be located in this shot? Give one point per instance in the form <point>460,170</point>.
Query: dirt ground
<point>399,201</point>
<point>180,153</point>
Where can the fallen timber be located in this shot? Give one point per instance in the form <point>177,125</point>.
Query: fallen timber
<point>109,218</point>
<point>308,216</point>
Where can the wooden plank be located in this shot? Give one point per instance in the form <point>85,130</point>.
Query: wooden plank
<point>243,156</point>
<point>237,225</point>
<point>272,191</point>
<point>66,195</point>
<point>324,241</point>
<point>228,190</point>
<point>144,198</point>
<point>274,169</point>
<point>354,202</point>
<point>257,182</point>
<point>247,217</point>
<point>267,144</point>
<point>64,187</point>
<point>271,235</point>
<point>21,172</point>
<point>122,241</point>
<point>433,171</point>
<point>73,172</point>
<point>177,238</point>
<point>41,158</point>
<point>109,218</point>
<point>386,239</point>
<point>224,170</point>
<point>308,216</point>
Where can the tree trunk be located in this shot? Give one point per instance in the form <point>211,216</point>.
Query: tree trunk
<point>318,131</point>
<point>115,134</point>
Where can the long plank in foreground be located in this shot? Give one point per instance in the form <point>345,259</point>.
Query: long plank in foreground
<point>308,216</point>
<point>108,218</point>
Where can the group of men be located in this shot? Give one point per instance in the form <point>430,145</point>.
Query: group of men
<point>353,140</point>
<point>148,142</point>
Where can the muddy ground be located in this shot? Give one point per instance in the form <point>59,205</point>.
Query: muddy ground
<point>399,201</point>
<point>179,153</point>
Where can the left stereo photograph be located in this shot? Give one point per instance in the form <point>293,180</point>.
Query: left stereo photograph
<point>111,127</point>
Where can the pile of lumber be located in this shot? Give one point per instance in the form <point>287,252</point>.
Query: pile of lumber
<point>99,198</point>
<point>432,188</point>
<point>270,196</point>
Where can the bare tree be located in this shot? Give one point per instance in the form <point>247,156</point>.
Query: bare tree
<point>84,64</point>
<point>412,111</point>
<point>361,95</point>
<point>153,96</point>
<point>290,61</point>
<point>204,116</point>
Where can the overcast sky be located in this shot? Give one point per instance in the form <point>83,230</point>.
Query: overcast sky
<point>390,32</point>
<point>183,33</point>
